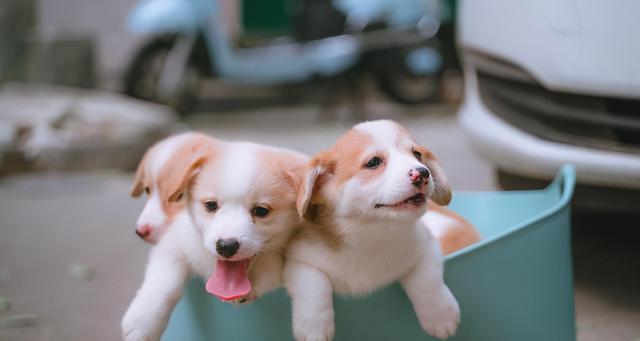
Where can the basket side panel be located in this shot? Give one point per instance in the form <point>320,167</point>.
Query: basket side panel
<point>495,212</point>
<point>518,288</point>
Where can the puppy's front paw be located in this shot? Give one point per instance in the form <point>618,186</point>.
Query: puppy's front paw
<point>311,330</point>
<point>134,334</point>
<point>320,336</point>
<point>442,317</point>
<point>135,328</point>
<point>141,323</point>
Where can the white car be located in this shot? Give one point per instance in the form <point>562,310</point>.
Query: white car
<point>553,82</point>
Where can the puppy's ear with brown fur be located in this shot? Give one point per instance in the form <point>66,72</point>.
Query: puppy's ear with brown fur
<point>138,180</point>
<point>293,167</point>
<point>319,169</point>
<point>180,173</point>
<point>442,192</point>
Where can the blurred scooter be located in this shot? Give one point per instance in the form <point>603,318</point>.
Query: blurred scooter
<point>188,43</point>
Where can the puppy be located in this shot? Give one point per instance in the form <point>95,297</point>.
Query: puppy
<point>363,200</point>
<point>244,206</point>
<point>240,214</point>
<point>452,231</point>
<point>161,165</point>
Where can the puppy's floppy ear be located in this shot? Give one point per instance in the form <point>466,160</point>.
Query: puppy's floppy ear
<point>293,167</point>
<point>180,172</point>
<point>319,169</point>
<point>138,180</point>
<point>441,193</point>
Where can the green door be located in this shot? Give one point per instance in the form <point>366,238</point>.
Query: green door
<point>265,17</point>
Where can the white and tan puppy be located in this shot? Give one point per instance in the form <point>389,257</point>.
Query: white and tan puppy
<point>160,166</point>
<point>244,206</point>
<point>363,200</point>
<point>241,212</point>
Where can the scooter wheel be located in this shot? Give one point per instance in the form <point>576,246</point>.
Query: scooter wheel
<point>405,86</point>
<point>142,76</point>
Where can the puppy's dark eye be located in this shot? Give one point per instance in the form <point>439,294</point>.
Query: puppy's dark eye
<point>374,163</point>
<point>210,205</point>
<point>260,211</point>
<point>147,190</point>
<point>179,197</point>
<point>418,155</point>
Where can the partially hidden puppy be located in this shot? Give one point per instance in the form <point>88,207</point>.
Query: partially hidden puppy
<point>363,200</point>
<point>240,214</point>
<point>451,230</point>
<point>160,166</point>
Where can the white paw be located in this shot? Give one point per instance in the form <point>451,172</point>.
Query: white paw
<point>318,338</point>
<point>443,316</point>
<point>314,330</point>
<point>139,325</point>
<point>134,334</point>
<point>322,336</point>
<point>133,329</point>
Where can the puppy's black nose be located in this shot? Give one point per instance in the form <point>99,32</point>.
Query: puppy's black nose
<point>227,247</point>
<point>419,176</point>
<point>423,171</point>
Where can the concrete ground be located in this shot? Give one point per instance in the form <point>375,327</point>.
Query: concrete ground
<point>69,257</point>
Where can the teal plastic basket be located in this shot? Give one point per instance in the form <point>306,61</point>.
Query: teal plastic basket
<point>514,285</point>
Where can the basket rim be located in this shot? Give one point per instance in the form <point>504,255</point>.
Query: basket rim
<point>564,181</point>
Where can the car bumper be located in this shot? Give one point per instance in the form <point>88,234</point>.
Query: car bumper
<point>516,151</point>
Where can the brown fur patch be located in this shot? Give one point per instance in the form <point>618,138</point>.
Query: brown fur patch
<point>347,155</point>
<point>283,176</point>
<point>141,179</point>
<point>316,174</point>
<point>457,236</point>
<point>171,175</point>
<point>174,177</point>
<point>442,191</point>
<point>324,230</point>
<point>330,170</point>
<point>312,204</point>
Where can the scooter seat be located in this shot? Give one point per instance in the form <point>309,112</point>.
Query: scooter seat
<point>290,62</point>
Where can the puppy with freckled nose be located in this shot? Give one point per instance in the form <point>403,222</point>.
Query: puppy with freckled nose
<point>362,201</point>
<point>239,213</point>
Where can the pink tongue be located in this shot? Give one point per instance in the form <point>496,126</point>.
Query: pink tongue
<point>229,281</point>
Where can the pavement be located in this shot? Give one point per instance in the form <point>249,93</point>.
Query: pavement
<point>70,262</point>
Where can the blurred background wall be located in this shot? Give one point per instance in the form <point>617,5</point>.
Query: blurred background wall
<point>38,37</point>
<point>37,34</point>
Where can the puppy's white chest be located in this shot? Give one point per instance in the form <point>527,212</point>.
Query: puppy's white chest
<point>364,268</point>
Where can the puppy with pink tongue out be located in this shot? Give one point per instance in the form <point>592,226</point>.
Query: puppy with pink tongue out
<point>243,206</point>
<point>240,213</point>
